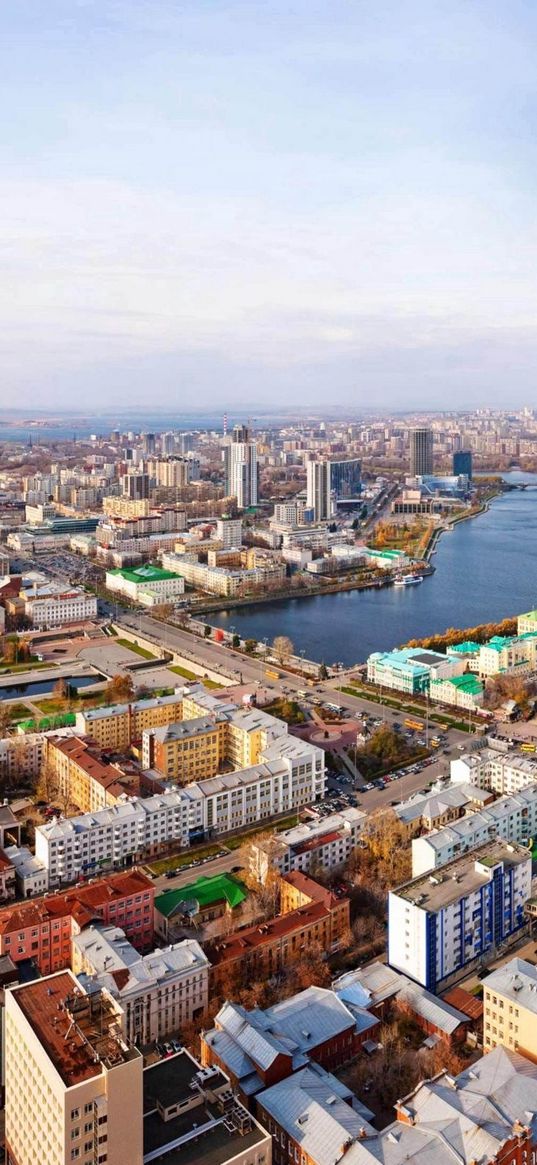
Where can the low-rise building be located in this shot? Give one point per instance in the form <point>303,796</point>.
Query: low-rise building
<point>203,901</point>
<point>53,606</point>
<point>488,768</point>
<point>440,806</point>
<point>30,875</point>
<point>510,1008</point>
<point>148,585</point>
<point>159,992</point>
<point>191,1115</point>
<point>42,929</point>
<point>318,843</point>
<point>443,924</point>
<point>411,669</point>
<point>262,951</point>
<point>512,654</point>
<point>511,818</point>
<point>464,691</point>
<point>261,1047</point>
<point>313,1119</point>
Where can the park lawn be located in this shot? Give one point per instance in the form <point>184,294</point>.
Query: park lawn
<point>18,711</point>
<point>52,705</point>
<point>135,647</point>
<point>31,665</point>
<point>190,675</point>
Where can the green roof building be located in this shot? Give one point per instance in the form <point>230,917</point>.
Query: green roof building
<point>145,584</point>
<point>200,901</point>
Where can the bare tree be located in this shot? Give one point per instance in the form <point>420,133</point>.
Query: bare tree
<point>282,647</point>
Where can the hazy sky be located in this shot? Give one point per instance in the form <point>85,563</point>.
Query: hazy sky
<point>207,203</point>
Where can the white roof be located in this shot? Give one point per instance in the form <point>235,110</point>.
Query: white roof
<point>313,1108</point>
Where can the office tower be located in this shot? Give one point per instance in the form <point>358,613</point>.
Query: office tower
<point>240,459</point>
<point>345,479</point>
<point>462,463</point>
<point>167,443</point>
<point>186,443</point>
<point>319,495</point>
<point>149,443</point>
<point>136,486</point>
<point>421,452</point>
<point>73,1083</point>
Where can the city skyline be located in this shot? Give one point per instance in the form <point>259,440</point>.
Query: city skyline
<point>234,203</point>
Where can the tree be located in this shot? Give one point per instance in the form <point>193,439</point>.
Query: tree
<point>236,641</point>
<point>323,673</point>
<point>120,689</point>
<point>250,646</point>
<point>282,647</point>
<point>5,719</point>
<point>207,631</point>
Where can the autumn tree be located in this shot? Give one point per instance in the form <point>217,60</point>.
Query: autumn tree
<point>5,719</point>
<point>282,647</point>
<point>120,689</point>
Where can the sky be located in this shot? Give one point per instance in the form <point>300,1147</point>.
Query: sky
<point>217,203</point>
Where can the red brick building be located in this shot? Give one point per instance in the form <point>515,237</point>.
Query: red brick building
<point>41,928</point>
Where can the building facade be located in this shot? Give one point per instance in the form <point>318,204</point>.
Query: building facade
<point>440,925</point>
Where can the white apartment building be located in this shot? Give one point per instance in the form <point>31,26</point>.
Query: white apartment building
<point>73,1083</point>
<point>321,843</point>
<point>229,533</point>
<point>290,776</point>
<point>512,818</point>
<point>158,993</point>
<point>488,768</point>
<point>31,876</point>
<point>441,925</point>
<point>25,752</point>
<point>51,608</point>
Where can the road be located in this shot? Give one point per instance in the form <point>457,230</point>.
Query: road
<point>209,869</point>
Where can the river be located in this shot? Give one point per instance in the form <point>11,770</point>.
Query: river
<point>486,569</point>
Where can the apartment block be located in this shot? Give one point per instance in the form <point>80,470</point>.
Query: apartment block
<point>510,1008</point>
<point>319,843</point>
<point>88,776</point>
<point>158,992</point>
<point>117,726</point>
<point>489,768</point>
<point>73,1083</point>
<point>511,818</point>
<point>442,924</point>
<point>42,929</point>
<point>291,776</point>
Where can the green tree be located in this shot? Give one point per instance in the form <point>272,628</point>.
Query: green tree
<point>236,641</point>
<point>207,631</point>
<point>250,646</point>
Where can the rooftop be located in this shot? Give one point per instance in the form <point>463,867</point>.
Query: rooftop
<point>206,891</point>
<point>439,888</point>
<point>79,1033</point>
<point>144,574</point>
<point>515,980</point>
<point>191,1116</point>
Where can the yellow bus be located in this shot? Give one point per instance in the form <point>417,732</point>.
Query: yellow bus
<point>528,747</point>
<point>416,724</point>
<point>272,675</point>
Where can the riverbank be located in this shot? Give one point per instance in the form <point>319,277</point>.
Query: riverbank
<point>485,571</point>
<point>450,524</point>
<point>230,604</point>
